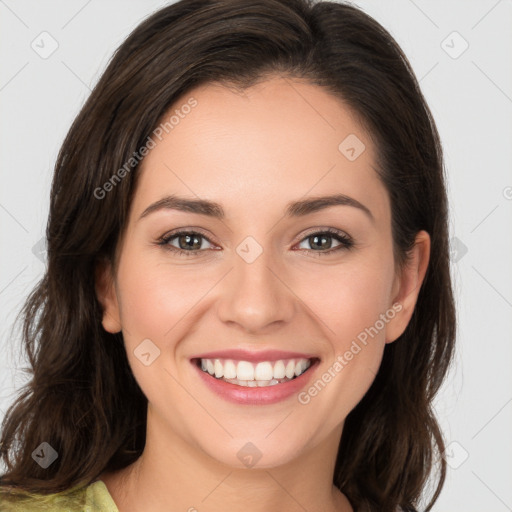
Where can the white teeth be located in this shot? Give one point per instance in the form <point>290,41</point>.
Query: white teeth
<point>264,373</point>
<point>244,371</point>
<point>290,369</point>
<point>229,370</point>
<point>279,371</point>
<point>301,366</point>
<point>219,369</point>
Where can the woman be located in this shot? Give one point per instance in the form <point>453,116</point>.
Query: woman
<point>248,301</point>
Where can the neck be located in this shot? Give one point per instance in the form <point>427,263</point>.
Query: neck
<point>174,472</point>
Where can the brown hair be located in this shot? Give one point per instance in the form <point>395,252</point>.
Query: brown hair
<point>83,399</point>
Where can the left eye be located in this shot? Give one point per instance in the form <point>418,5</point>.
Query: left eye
<point>187,242</point>
<point>319,239</point>
<point>190,242</point>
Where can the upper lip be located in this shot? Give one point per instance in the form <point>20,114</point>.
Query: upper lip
<point>254,356</point>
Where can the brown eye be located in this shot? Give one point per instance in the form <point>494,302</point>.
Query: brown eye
<point>321,242</point>
<point>189,243</point>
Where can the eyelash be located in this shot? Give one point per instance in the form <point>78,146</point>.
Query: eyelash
<point>346,242</point>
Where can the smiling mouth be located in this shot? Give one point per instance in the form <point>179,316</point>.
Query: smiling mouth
<point>261,374</point>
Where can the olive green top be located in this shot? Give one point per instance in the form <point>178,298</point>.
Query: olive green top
<point>92,498</point>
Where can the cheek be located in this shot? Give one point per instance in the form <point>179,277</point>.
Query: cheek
<point>161,302</point>
<point>350,304</point>
<point>157,303</point>
<point>350,298</point>
<point>156,297</point>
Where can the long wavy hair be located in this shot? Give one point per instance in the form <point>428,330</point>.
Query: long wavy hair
<point>82,397</point>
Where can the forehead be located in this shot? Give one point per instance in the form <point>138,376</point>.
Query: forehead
<point>274,142</point>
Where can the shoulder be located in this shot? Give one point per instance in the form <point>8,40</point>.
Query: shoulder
<point>91,498</point>
<point>18,500</point>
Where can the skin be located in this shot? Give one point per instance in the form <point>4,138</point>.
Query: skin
<point>253,153</point>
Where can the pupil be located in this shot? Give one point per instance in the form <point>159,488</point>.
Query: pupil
<point>188,239</point>
<point>322,237</point>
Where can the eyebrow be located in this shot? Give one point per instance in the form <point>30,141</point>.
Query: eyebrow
<point>293,209</point>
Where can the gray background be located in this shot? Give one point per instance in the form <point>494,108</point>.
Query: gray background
<point>470,94</point>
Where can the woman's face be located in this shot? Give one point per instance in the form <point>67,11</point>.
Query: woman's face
<point>262,277</point>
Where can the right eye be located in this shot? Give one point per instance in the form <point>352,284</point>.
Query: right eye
<point>189,242</point>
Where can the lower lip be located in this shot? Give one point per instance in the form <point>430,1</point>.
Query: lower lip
<point>257,396</point>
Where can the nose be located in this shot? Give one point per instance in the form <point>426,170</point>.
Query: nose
<point>256,296</point>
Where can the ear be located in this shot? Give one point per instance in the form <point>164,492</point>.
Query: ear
<point>106,293</point>
<point>407,285</point>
